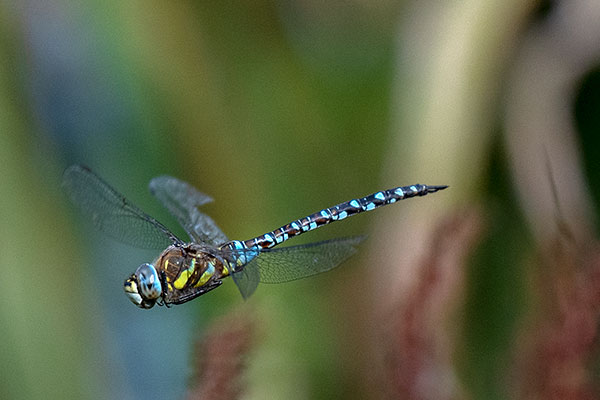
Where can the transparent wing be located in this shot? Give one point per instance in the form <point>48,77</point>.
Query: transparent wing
<point>294,262</point>
<point>182,200</point>
<point>297,262</point>
<point>112,213</point>
<point>247,280</point>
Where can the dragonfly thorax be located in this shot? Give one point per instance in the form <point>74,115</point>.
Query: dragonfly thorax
<point>177,275</point>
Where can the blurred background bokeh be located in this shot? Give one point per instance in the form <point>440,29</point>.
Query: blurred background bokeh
<point>488,290</point>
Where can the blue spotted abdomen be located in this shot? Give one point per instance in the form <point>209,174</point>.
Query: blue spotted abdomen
<point>336,213</point>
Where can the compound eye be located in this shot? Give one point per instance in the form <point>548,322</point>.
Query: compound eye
<point>148,283</point>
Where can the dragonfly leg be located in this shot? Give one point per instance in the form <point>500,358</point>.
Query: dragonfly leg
<point>163,283</point>
<point>200,292</point>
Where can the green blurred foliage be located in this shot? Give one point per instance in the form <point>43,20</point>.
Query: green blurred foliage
<point>496,285</point>
<point>586,116</point>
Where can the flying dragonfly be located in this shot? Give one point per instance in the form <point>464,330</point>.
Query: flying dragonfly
<point>186,270</point>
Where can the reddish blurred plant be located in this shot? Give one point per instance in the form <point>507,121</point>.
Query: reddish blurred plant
<point>419,359</point>
<point>220,358</point>
<point>560,343</point>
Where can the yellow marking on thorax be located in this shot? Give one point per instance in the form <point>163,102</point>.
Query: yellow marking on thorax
<point>166,268</point>
<point>206,275</point>
<point>225,269</point>
<point>185,275</point>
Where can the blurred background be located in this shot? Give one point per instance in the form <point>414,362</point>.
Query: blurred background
<point>488,290</point>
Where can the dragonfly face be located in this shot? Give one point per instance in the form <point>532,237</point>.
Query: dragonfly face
<point>144,287</point>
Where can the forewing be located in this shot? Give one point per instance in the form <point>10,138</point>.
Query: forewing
<point>182,200</point>
<point>112,213</point>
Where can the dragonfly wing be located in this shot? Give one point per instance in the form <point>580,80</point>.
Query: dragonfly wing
<point>247,280</point>
<point>293,262</point>
<point>112,213</point>
<point>297,262</point>
<point>182,200</point>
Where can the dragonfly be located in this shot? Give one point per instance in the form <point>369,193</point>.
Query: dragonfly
<point>185,270</point>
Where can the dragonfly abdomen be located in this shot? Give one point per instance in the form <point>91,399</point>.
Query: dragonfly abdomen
<point>338,213</point>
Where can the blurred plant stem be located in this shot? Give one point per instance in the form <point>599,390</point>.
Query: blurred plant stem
<point>446,99</point>
<point>44,354</point>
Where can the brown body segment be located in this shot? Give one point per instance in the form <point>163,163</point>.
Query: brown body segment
<point>182,267</point>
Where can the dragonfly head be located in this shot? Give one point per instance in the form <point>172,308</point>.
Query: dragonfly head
<point>143,287</point>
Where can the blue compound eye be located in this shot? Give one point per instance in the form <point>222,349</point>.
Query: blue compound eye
<point>149,286</point>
